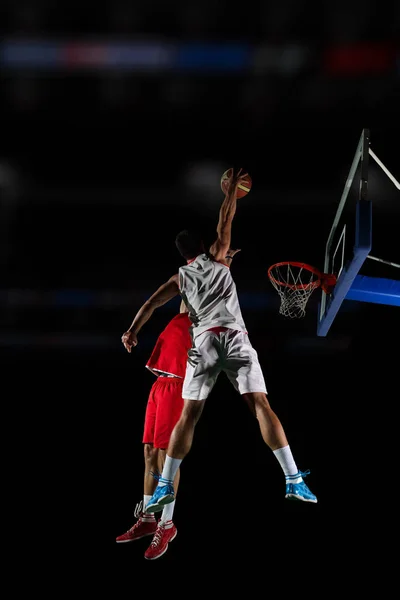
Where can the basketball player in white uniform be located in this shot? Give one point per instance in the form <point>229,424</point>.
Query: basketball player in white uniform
<point>219,343</point>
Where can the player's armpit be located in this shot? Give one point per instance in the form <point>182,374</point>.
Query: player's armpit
<point>219,250</point>
<point>183,308</point>
<point>165,292</point>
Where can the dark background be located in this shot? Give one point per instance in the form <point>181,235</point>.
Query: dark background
<point>117,124</point>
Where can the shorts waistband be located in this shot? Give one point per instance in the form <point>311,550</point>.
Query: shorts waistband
<point>218,329</point>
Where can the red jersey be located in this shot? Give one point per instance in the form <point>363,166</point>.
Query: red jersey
<point>169,355</point>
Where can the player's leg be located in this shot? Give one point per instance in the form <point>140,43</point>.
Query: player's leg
<point>151,448</point>
<point>166,529</point>
<point>151,461</point>
<point>161,462</point>
<point>245,373</point>
<point>169,408</point>
<point>201,374</point>
<point>182,435</point>
<point>179,445</point>
<point>271,428</point>
<point>274,436</point>
<point>146,522</point>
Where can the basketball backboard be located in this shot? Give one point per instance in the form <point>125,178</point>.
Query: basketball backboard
<point>349,244</point>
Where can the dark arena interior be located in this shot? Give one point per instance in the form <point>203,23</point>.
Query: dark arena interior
<point>116,126</point>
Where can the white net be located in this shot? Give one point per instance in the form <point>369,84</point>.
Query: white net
<point>295,283</point>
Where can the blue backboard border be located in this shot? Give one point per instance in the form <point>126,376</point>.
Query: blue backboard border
<point>329,305</point>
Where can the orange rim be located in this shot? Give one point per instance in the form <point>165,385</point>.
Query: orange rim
<point>326,280</point>
<point>301,286</point>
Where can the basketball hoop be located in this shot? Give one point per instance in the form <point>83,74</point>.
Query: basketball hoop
<point>295,282</point>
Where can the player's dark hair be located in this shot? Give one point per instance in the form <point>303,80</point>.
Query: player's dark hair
<point>189,243</point>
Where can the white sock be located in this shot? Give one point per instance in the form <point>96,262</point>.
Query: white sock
<point>167,512</point>
<point>170,469</point>
<point>286,460</point>
<point>146,516</point>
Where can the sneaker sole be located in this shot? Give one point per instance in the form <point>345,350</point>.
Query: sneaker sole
<point>165,549</point>
<point>160,504</point>
<point>300,499</point>
<point>136,538</point>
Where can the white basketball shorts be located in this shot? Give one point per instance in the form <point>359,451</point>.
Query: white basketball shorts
<point>229,351</point>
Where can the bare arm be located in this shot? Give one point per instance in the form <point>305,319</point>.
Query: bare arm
<point>227,211</point>
<point>165,292</point>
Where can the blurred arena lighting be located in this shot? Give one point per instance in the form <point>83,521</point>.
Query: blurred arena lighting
<point>158,55</point>
<point>204,179</point>
<point>10,189</point>
<point>286,60</point>
<point>8,179</point>
<point>359,58</point>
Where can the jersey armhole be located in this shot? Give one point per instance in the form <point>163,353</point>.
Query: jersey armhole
<point>222,263</point>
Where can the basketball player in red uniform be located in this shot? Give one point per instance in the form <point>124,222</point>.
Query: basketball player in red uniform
<point>219,343</point>
<point>164,406</point>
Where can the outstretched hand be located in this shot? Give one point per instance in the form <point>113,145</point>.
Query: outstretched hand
<point>235,179</point>
<point>129,340</point>
<point>231,252</point>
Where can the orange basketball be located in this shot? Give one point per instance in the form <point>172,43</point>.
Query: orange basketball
<point>243,188</point>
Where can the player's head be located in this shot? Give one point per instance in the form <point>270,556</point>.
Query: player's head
<point>189,244</point>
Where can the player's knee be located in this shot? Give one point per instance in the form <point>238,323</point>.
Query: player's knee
<point>150,453</point>
<point>192,410</point>
<point>262,400</point>
<point>257,401</point>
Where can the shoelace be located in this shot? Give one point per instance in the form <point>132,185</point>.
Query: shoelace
<point>156,475</point>
<point>299,474</point>
<point>138,513</point>
<point>138,510</point>
<point>158,535</point>
<point>165,481</point>
<point>304,473</point>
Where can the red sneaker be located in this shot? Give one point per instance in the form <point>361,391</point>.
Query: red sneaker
<point>166,532</point>
<point>143,527</point>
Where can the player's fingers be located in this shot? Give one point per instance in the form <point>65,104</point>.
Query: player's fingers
<point>126,345</point>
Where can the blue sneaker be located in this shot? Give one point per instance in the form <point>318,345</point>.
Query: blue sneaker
<point>296,489</point>
<point>163,494</point>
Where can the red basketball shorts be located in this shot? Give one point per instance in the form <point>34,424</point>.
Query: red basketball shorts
<point>163,410</point>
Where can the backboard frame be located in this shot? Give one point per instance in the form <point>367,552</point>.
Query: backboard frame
<point>330,305</point>
<point>350,284</point>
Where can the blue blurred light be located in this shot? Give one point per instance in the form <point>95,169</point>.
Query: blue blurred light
<point>214,57</point>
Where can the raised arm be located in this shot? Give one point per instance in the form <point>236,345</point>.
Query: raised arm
<point>165,292</point>
<point>227,211</point>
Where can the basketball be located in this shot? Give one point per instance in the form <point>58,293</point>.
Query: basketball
<point>243,188</point>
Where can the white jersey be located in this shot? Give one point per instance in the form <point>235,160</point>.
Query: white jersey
<point>209,292</point>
